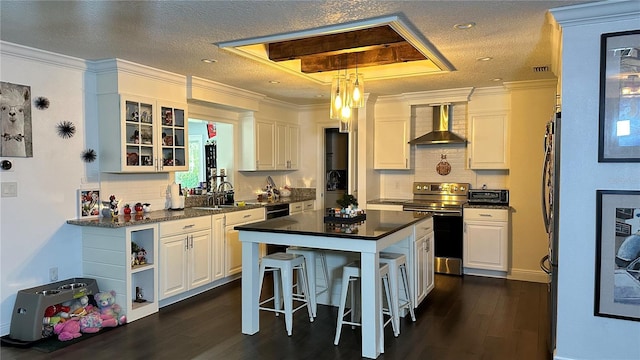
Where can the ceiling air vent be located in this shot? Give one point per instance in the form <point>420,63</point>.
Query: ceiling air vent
<point>538,69</point>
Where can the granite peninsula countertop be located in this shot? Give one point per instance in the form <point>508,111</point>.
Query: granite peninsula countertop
<point>169,215</point>
<point>377,225</point>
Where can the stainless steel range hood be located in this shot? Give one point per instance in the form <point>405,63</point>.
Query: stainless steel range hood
<point>441,133</point>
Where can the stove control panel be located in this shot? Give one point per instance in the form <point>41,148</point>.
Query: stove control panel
<point>428,188</point>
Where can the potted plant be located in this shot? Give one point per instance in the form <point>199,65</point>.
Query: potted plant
<point>347,200</point>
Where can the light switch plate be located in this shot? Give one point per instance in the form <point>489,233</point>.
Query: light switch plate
<point>9,189</point>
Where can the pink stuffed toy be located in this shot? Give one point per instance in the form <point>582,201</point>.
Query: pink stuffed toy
<point>107,304</point>
<point>94,321</point>
<point>68,330</point>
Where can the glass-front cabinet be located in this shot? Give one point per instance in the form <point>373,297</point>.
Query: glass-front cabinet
<point>154,137</point>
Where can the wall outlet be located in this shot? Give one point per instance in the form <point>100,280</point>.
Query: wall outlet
<point>53,274</point>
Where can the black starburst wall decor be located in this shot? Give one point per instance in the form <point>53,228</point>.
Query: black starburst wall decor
<point>66,129</point>
<point>89,155</point>
<point>41,103</point>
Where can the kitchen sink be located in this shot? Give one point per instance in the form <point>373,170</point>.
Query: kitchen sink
<point>217,207</point>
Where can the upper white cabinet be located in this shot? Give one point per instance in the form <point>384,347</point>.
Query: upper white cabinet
<point>391,143</point>
<point>268,144</point>
<point>287,146</point>
<point>142,118</point>
<point>488,136</point>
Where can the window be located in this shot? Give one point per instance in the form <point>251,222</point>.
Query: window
<point>192,178</point>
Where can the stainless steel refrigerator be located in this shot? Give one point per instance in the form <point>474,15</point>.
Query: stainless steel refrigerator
<point>550,194</point>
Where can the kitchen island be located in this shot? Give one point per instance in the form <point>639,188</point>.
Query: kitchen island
<point>380,230</point>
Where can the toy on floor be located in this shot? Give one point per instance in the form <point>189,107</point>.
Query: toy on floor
<point>107,305</point>
<point>68,330</point>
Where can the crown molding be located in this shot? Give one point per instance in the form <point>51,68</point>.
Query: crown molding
<point>108,66</point>
<point>598,12</point>
<point>42,56</point>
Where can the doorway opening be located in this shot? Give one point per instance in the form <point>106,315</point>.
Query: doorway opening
<point>336,160</point>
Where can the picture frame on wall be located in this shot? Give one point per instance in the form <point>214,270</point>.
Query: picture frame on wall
<point>617,278</point>
<point>619,122</point>
<point>88,203</point>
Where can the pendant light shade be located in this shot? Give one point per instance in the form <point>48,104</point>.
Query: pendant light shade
<point>338,96</point>
<point>356,84</point>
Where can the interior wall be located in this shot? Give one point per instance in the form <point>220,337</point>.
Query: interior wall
<point>532,106</point>
<point>581,335</point>
<point>34,236</point>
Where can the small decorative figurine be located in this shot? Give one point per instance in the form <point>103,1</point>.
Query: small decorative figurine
<point>138,208</point>
<point>139,295</point>
<point>126,209</point>
<point>141,257</point>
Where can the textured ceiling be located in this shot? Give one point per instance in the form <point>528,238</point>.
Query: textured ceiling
<point>176,35</point>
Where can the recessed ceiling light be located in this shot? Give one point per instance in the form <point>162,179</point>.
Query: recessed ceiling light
<point>464,26</point>
<point>486,58</point>
<point>209,61</point>
<point>274,82</point>
<point>496,79</point>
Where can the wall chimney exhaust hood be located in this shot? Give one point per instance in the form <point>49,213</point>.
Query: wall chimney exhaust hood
<point>441,133</point>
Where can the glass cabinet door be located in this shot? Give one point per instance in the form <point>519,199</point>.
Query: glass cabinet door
<point>173,138</point>
<point>139,130</point>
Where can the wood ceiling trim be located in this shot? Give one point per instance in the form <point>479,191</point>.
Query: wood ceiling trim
<point>397,53</point>
<point>367,47</point>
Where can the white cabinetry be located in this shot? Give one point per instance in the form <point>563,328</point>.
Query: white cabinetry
<point>287,146</point>
<point>185,255</point>
<point>142,119</point>
<point>489,141</point>
<point>300,206</point>
<point>106,257</point>
<point>269,145</point>
<point>391,144</point>
<point>489,146</point>
<point>486,241</point>
<point>217,247</point>
<point>424,267</point>
<point>419,253</point>
<point>233,246</point>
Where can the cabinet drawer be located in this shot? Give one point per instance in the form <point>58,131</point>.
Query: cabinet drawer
<point>185,225</point>
<point>424,227</point>
<point>309,205</point>
<point>244,216</point>
<point>486,214</point>
<point>296,207</point>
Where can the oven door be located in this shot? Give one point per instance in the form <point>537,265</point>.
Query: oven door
<point>447,228</point>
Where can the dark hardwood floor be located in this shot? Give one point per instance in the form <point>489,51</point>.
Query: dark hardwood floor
<point>463,318</point>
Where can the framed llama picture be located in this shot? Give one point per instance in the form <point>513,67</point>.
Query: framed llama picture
<point>88,204</point>
<point>15,104</point>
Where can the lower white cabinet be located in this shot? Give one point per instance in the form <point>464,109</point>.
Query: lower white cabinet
<point>486,241</point>
<point>106,257</point>
<point>423,255</point>
<point>419,253</point>
<point>185,255</point>
<point>298,207</point>
<point>217,247</point>
<point>233,246</point>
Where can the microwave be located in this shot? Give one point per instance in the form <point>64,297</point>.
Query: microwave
<point>486,196</point>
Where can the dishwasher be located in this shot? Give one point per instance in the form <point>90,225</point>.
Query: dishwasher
<point>272,212</point>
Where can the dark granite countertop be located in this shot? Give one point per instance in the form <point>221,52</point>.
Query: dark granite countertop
<point>377,225</point>
<point>389,201</point>
<point>487,206</point>
<point>169,215</point>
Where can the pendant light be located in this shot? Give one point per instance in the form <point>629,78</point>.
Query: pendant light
<point>356,91</point>
<point>345,111</point>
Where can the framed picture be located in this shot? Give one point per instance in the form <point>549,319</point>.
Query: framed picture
<point>617,291</point>
<point>619,135</point>
<point>88,204</point>
<point>17,139</point>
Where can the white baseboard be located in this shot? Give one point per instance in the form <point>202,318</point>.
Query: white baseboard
<point>538,276</point>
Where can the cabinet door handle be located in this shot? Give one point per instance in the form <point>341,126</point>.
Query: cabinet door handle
<point>186,243</point>
<point>465,227</point>
<point>486,215</point>
<point>192,241</point>
<point>247,216</point>
<point>188,226</point>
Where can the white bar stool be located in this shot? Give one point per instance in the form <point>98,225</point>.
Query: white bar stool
<point>351,273</point>
<point>310,257</point>
<point>398,267</point>
<point>282,265</point>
